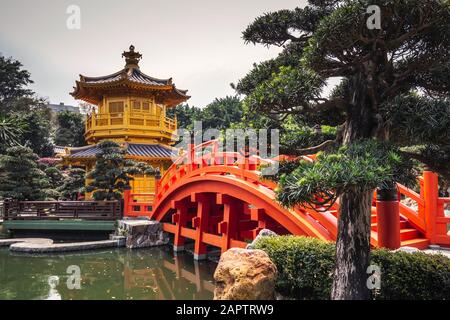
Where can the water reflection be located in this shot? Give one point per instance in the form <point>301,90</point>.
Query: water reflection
<point>111,274</point>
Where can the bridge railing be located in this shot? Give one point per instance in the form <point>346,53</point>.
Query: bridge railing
<point>138,204</point>
<point>428,216</point>
<point>204,155</point>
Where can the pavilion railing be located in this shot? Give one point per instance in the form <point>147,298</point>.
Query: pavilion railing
<point>138,119</point>
<point>55,210</point>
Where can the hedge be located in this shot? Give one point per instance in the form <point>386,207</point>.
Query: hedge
<point>305,267</point>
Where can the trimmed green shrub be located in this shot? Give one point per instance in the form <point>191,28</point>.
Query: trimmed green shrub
<point>305,267</point>
<point>416,276</point>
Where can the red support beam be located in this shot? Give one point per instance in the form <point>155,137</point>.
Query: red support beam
<point>257,214</point>
<point>232,208</point>
<point>180,219</point>
<point>200,223</point>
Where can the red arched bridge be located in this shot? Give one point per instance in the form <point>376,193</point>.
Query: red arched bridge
<point>219,199</point>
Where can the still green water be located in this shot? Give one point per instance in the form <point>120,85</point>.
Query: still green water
<point>108,274</point>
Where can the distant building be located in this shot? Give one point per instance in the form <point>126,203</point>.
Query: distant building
<point>63,107</point>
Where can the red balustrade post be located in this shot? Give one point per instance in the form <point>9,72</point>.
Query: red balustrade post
<point>388,218</point>
<point>191,156</point>
<point>430,194</point>
<point>180,219</point>
<point>126,201</point>
<point>214,152</point>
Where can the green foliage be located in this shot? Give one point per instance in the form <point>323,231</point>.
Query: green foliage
<point>70,129</point>
<point>331,40</point>
<point>20,176</point>
<point>282,24</point>
<point>304,265</point>
<point>13,82</point>
<point>36,130</point>
<point>113,172</point>
<point>412,276</point>
<point>362,165</point>
<point>295,136</point>
<point>54,175</point>
<point>221,113</point>
<point>305,268</point>
<point>25,120</point>
<point>421,126</point>
<point>10,131</point>
<point>415,119</point>
<point>73,183</point>
<point>185,114</point>
<point>290,88</point>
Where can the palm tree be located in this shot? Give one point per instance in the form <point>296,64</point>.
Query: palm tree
<point>10,131</point>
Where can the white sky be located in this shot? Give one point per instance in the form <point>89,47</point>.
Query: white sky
<point>196,42</point>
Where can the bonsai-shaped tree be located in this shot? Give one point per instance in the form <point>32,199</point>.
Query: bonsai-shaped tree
<point>73,183</point>
<point>20,176</point>
<point>389,106</point>
<point>113,172</point>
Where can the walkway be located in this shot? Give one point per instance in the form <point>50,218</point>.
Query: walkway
<point>41,245</point>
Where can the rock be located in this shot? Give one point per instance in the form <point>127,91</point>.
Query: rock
<point>263,233</point>
<point>121,240</point>
<point>407,249</point>
<point>142,233</point>
<point>244,274</point>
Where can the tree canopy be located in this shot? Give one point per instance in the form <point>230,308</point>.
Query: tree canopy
<point>70,129</point>
<point>24,117</point>
<point>20,175</point>
<point>219,114</point>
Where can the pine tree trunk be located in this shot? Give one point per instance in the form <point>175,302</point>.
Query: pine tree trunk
<point>353,240</point>
<point>352,247</point>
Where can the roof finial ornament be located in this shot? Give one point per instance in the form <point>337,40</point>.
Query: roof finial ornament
<point>132,58</point>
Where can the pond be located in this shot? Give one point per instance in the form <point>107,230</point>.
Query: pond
<point>123,274</point>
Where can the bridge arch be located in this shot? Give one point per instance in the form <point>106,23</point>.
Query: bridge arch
<point>237,207</point>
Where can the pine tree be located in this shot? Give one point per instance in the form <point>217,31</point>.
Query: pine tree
<point>390,106</point>
<point>73,183</point>
<point>20,176</point>
<point>113,172</point>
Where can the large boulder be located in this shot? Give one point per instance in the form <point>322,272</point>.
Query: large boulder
<point>244,274</point>
<point>142,233</point>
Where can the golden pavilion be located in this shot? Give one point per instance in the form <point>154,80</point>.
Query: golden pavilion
<point>130,108</point>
